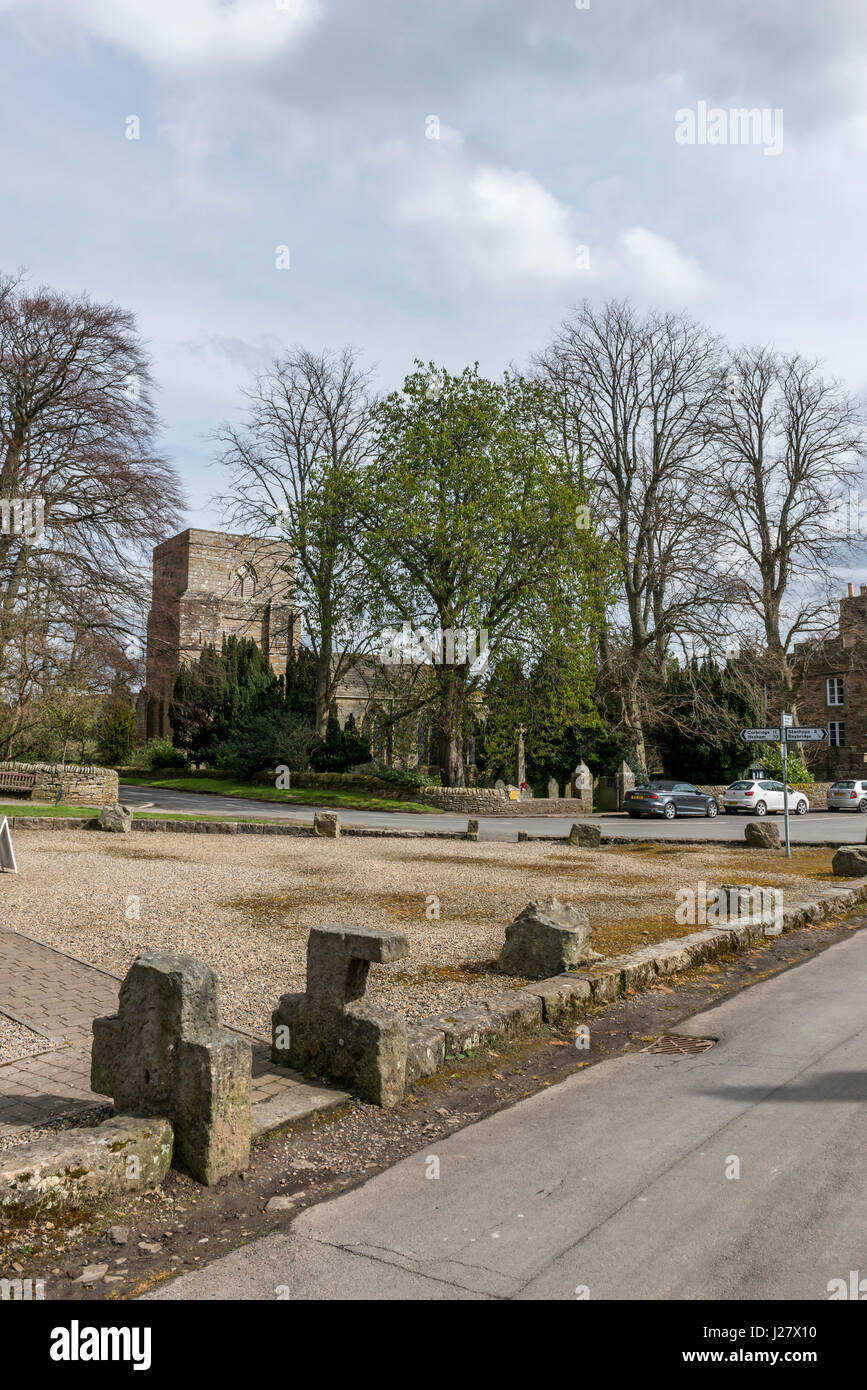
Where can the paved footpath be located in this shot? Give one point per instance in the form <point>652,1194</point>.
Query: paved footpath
<point>58,997</point>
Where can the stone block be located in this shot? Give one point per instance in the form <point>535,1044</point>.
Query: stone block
<point>326,824</point>
<point>165,1053</point>
<point>585,836</point>
<point>546,939</point>
<point>850,862</point>
<point>762,835</point>
<point>425,1050</point>
<point>563,998</point>
<point>329,1029</point>
<point>79,1165</point>
<point>472,829</point>
<point>116,818</point>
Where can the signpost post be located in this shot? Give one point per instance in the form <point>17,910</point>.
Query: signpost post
<point>786,734</point>
<point>785,725</point>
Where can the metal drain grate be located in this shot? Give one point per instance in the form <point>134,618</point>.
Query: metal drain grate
<point>679,1044</point>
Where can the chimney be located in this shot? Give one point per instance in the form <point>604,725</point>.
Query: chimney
<point>852,591</point>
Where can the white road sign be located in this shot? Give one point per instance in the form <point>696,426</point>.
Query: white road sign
<point>760,735</point>
<point>7,853</point>
<point>797,734</point>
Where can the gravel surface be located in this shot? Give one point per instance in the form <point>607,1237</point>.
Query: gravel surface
<point>17,1041</point>
<point>246,905</point>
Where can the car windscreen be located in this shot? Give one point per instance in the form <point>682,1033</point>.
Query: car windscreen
<point>842,786</point>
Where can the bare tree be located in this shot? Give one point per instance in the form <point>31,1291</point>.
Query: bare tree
<point>77,429</point>
<point>295,465</point>
<point>789,447</point>
<point>634,396</point>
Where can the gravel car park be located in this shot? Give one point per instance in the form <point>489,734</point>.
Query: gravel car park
<point>669,799</point>
<point>848,796</point>
<point>763,798</point>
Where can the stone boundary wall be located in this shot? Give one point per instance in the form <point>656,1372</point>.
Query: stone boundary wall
<point>489,801</point>
<point>82,786</point>
<point>817,795</point>
<point>574,995</point>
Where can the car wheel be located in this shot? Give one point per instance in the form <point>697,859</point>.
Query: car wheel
<point>760,808</point>
<point>862,806</point>
<point>670,810</point>
<point>803,807</point>
<point>712,808</point>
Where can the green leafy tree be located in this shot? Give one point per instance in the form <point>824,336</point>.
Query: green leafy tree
<point>702,710</point>
<point>472,524</point>
<point>230,708</point>
<point>115,733</point>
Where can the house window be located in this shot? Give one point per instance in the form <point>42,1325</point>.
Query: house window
<point>836,734</point>
<point>835,691</point>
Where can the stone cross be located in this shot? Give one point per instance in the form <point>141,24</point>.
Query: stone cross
<point>330,1031</point>
<point>521,762</point>
<point>165,1053</point>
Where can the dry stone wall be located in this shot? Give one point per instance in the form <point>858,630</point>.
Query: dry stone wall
<point>82,786</point>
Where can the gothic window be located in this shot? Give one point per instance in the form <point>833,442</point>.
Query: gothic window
<point>245,583</point>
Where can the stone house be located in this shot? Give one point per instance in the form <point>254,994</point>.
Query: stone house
<point>831,692</point>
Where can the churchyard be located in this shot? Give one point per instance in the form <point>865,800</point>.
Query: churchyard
<point>246,905</point>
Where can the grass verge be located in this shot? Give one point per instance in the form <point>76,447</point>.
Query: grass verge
<point>300,796</point>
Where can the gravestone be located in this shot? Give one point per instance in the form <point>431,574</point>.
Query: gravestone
<point>499,785</point>
<point>553,789</point>
<point>582,788</point>
<point>165,1053</point>
<point>545,939</point>
<point>330,1030</point>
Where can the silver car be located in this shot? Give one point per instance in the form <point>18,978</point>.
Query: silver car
<point>848,796</point>
<point>761,797</point>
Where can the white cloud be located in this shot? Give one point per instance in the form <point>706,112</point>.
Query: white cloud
<point>177,36</point>
<point>486,222</point>
<point>658,266</point>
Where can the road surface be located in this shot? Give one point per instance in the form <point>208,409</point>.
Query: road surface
<point>614,1182</point>
<point>835,827</point>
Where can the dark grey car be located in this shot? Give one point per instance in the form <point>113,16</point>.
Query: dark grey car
<point>669,799</point>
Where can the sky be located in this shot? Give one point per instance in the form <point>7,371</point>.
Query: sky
<point>445,180</point>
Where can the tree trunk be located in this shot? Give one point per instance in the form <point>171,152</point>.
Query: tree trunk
<point>451,734</point>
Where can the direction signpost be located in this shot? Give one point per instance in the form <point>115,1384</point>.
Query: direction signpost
<point>787,733</point>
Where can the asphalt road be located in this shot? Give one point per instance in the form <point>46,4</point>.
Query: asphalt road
<point>837,827</point>
<point>615,1181</point>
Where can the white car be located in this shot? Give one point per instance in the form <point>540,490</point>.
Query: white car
<point>761,797</point>
<point>848,796</point>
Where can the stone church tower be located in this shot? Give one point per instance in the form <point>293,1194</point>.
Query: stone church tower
<point>207,585</point>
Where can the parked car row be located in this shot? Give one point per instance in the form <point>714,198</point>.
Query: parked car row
<point>669,799</point>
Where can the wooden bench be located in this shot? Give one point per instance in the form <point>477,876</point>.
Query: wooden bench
<point>22,782</point>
